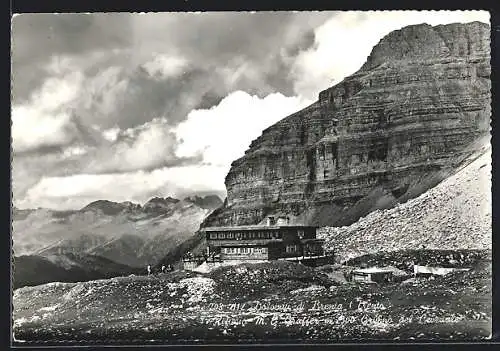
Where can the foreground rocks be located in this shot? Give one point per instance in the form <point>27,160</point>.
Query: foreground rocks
<point>389,132</point>
<point>271,302</point>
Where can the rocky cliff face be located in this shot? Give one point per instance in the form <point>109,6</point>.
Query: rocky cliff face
<point>387,133</point>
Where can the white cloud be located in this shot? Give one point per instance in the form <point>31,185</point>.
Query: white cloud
<point>111,134</point>
<point>61,65</point>
<point>148,146</point>
<point>153,143</point>
<point>75,150</point>
<point>344,42</point>
<point>221,134</point>
<point>165,66</point>
<point>45,120</point>
<point>224,132</point>
<point>78,190</point>
<point>105,92</point>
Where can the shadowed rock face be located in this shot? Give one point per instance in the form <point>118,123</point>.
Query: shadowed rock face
<point>398,126</point>
<point>209,201</point>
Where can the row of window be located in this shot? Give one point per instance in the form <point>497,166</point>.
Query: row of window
<point>246,235</point>
<point>243,250</point>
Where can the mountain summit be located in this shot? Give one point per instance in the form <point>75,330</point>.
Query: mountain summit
<point>404,122</point>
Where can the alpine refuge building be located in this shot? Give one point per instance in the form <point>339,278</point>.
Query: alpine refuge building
<point>277,240</point>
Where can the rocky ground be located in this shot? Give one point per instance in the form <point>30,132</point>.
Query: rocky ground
<point>455,214</point>
<point>268,302</point>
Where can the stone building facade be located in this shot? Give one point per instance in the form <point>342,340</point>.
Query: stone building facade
<point>255,243</point>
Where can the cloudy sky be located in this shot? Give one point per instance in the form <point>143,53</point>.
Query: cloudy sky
<point>129,106</point>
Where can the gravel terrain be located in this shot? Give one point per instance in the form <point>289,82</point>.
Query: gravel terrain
<point>269,302</point>
<point>455,214</point>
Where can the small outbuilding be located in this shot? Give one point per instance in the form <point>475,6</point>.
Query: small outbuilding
<point>372,275</point>
<point>423,271</point>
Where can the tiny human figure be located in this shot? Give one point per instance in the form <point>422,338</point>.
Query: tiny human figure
<point>163,268</point>
<point>149,269</point>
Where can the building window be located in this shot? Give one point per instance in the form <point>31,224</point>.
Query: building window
<point>213,235</point>
<point>221,235</point>
<point>230,235</point>
<point>322,152</point>
<point>291,248</point>
<point>261,250</point>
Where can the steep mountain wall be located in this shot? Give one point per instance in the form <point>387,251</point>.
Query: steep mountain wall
<point>401,124</point>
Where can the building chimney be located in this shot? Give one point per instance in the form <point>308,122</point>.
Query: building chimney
<point>270,221</point>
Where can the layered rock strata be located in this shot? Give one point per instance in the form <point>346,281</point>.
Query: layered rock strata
<point>385,134</point>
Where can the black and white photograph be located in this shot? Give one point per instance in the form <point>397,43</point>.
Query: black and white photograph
<point>251,177</point>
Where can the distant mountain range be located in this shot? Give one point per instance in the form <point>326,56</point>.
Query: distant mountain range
<point>104,238</point>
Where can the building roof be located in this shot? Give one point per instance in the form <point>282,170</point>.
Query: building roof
<point>254,227</point>
<point>374,270</point>
<point>312,240</point>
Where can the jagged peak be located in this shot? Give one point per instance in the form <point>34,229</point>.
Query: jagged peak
<point>421,41</point>
<point>110,207</point>
<point>161,200</point>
